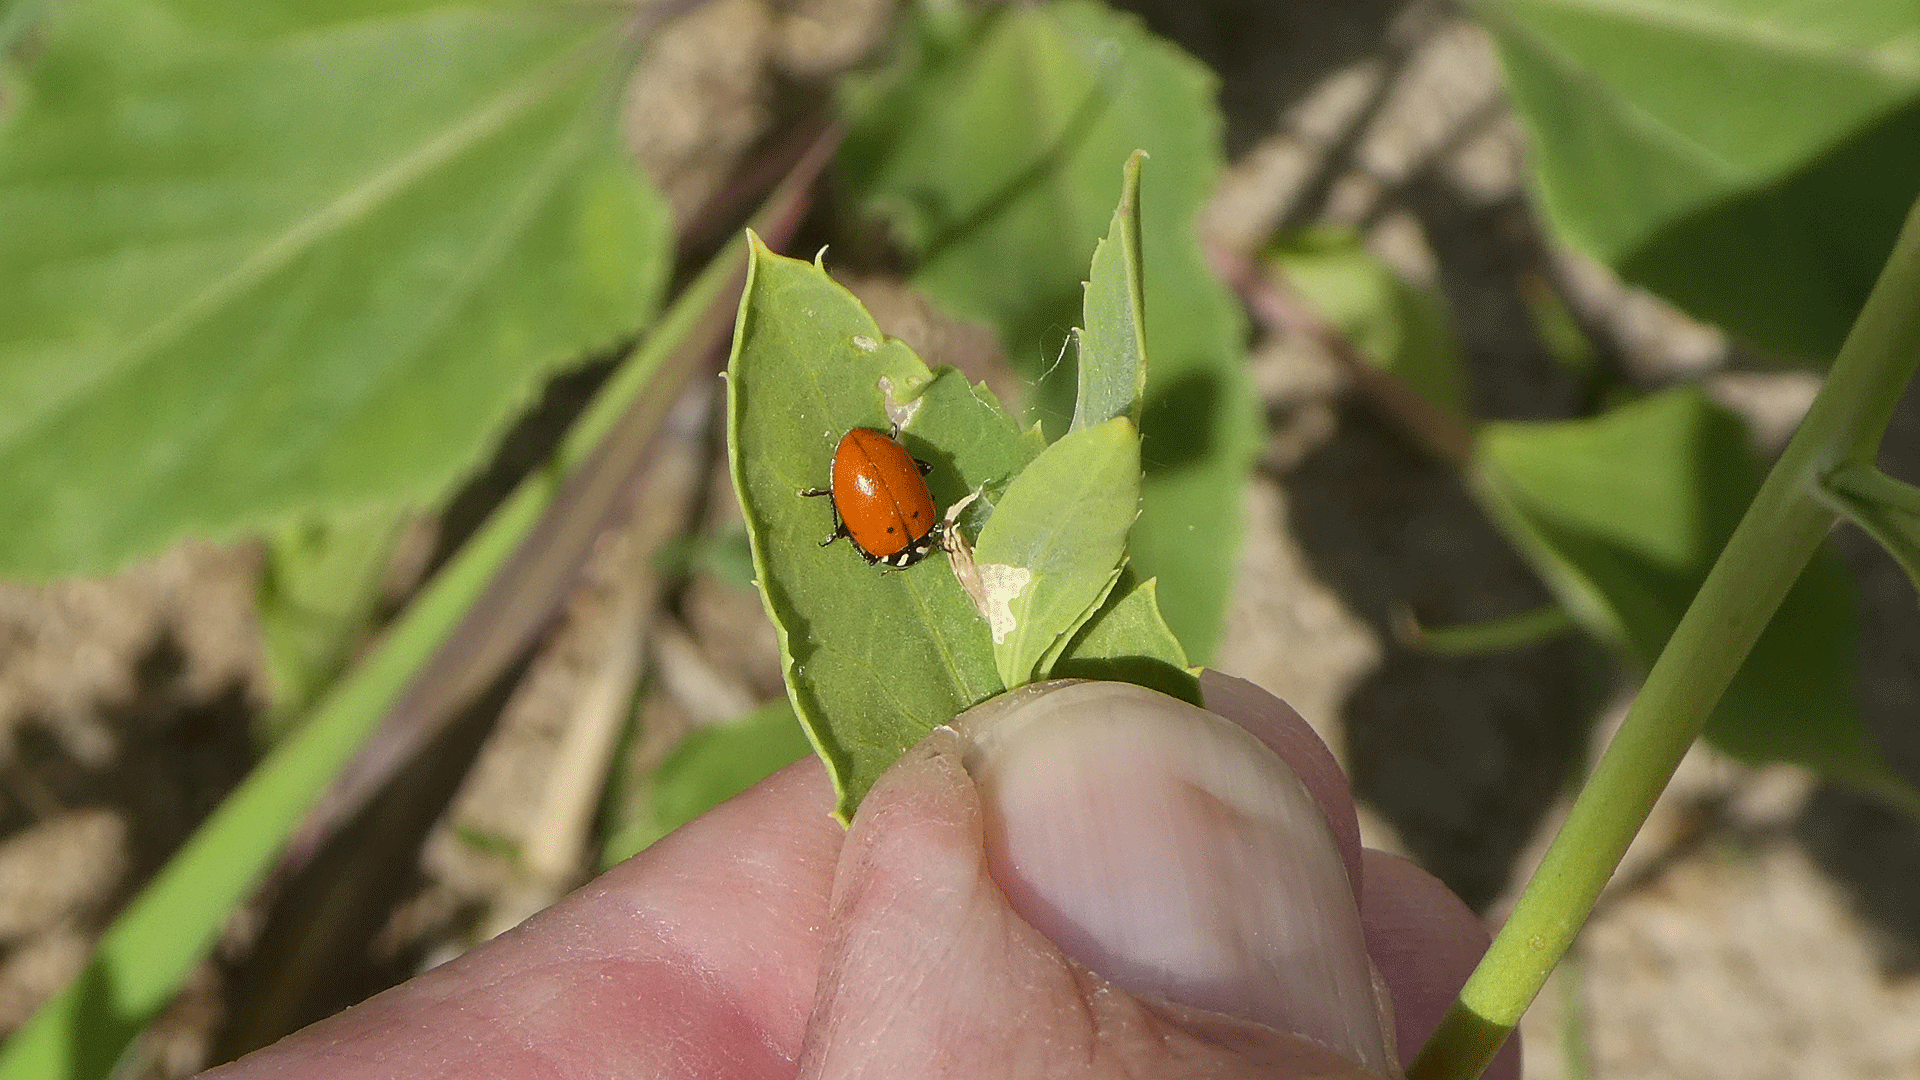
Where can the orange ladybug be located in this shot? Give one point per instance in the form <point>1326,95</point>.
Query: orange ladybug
<point>880,500</point>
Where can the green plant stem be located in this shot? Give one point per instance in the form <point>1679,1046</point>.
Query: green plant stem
<point>1763,558</point>
<point>1863,481</point>
<point>1494,635</point>
<point>1889,511</point>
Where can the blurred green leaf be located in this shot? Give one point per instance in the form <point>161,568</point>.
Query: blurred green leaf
<point>318,587</point>
<point>1623,514</point>
<point>1493,635</point>
<point>1061,529</point>
<point>992,149</point>
<point>724,555</point>
<point>1128,641</point>
<point>1398,328</point>
<point>297,258</point>
<point>17,17</point>
<point>709,767</point>
<point>1887,509</point>
<point>1112,339</point>
<point>874,659</point>
<point>1749,159</point>
<point>1554,324</point>
<point>488,842</point>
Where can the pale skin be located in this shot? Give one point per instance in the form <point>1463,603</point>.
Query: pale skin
<point>763,940</point>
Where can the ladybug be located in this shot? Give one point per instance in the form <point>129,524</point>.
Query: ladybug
<point>880,500</point>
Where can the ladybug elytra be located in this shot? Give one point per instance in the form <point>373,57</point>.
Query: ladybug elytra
<point>880,500</point>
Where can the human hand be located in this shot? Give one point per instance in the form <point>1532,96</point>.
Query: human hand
<point>1077,888</point>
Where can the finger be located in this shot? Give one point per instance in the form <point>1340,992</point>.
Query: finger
<point>1099,890</point>
<point>1425,941</point>
<point>697,957</point>
<point>1288,734</point>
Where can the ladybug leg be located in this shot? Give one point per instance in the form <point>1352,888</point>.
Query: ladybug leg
<point>894,434</point>
<point>839,527</point>
<point>839,530</point>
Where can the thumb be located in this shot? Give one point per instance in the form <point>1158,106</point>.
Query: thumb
<point>1092,879</point>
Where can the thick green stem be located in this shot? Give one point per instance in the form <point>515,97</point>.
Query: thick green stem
<point>1780,532</point>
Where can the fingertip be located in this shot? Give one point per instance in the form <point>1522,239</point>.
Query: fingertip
<point>1173,851</point>
<point>1288,734</point>
<point>929,958</point>
<point>918,827</point>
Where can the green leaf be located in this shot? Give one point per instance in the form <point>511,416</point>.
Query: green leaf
<point>1493,635</point>
<point>1887,509</point>
<point>317,593</point>
<point>1749,159</point>
<point>993,152</point>
<point>1059,537</point>
<point>488,842</point>
<point>1128,641</point>
<point>724,556</point>
<point>246,279</point>
<point>709,767</point>
<point>1398,328</point>
<point>1559,332</point>
<point>873,660</point>
<point>1112,341</point>
<point>1623,514</point>
<point>17,18</point>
